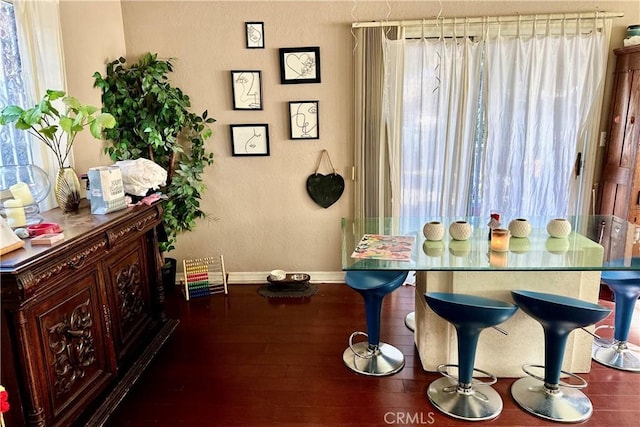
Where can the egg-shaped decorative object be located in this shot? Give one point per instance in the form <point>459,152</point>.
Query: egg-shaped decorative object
<point>460,230</point>
<point>559,228</point>
<point>520,227</point>
<point>433,230</point>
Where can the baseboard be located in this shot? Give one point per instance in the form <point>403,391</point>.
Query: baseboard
<point>257,277</point>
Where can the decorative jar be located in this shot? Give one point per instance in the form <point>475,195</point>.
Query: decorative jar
<point>559,228</point>
<point>520,227</point>
<point>460,230</point>
<point>433,230</point>
<point>27,184</point>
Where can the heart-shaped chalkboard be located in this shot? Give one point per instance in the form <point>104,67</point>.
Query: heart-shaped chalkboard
<point>325,190</point>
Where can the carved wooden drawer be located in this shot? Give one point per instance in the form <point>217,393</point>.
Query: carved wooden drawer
<point>68,330</point>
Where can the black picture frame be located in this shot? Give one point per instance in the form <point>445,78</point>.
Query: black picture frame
<point>299,65</point>
<point>250,139</point>
<point>254,32</point>
<point>304,120</point>
<point>246,89</point>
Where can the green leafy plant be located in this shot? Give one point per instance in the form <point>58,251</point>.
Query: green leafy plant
<point>58,130</point>
<point>154,121</point>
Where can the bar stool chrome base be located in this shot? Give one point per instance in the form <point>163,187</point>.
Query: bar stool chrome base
<point>467,404</point>
<point>374,360</point>
<point>566,405</point>
<point>616,354</point>
<point>379,361</point>
<point>410,321</point>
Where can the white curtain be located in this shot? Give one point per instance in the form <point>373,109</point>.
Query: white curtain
<point>433,135</point>
<point>41,53</point>
<point>539,110</point>
<point>490,116</point>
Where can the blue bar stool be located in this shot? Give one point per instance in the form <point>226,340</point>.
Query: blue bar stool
<point>547,397</point>
<point>459,397</point>
<point>618,353</point>
<point>373,357</point>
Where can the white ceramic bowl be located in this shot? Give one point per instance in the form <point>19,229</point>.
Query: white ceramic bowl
<point>278,275</point>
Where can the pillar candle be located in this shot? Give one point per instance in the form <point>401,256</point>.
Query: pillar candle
<point>15,213</point>
<point>22,193</point>
<point>500,239</point>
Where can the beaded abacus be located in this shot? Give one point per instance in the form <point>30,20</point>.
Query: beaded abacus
<point>204,276</point>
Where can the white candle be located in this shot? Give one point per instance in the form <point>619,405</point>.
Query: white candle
<point>22,193</point>
<point>15,213</point>
<point>500,239</point>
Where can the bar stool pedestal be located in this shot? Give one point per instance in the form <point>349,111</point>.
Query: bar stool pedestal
<point>465,397</point>
<point>547,397</point>
<point>373,358</point>
<point>618,353</point>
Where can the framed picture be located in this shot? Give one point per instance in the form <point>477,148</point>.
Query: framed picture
<point>299,65</point>
<point>247,90</point>
<point>250,140</point>
<point>255,35</point>
<point>304,120</point>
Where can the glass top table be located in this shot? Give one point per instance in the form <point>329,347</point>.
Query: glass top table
<point>600,242</point>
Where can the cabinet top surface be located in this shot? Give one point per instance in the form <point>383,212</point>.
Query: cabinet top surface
<point>76,227</point>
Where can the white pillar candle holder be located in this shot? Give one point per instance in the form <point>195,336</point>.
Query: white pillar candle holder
<point>460,230</point>
<point>559,228</point>
<point>520,227</point>
<point>433,230</point>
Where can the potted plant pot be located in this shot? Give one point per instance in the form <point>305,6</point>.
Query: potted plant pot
<point>169,274</point>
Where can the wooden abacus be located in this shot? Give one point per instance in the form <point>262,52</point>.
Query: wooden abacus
<point>204,276</point>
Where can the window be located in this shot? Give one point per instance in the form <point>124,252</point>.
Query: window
<point>14,147</point>
<point>27,74</point>
<point>480,115</point>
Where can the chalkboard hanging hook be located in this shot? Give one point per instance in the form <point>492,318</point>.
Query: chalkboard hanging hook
<point>322,155</point>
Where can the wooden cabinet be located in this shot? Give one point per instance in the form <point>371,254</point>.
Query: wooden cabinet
<point>81,319</point>
<point>620,183</point>
<point>620,186</point>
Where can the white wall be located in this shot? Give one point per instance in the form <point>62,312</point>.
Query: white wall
<point>261,217</point>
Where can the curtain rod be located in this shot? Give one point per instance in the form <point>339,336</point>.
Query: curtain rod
<point>489,19</point>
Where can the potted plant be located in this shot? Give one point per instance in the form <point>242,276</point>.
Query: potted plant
<point>154,121</point>
<point>58,130</point>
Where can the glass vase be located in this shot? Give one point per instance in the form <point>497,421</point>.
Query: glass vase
<point>67,190</point>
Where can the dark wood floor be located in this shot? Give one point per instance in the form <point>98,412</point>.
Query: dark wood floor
<point>251,361</point>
